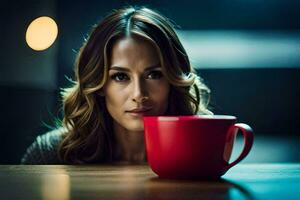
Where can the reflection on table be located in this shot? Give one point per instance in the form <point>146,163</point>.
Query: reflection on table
<point>244,181</point>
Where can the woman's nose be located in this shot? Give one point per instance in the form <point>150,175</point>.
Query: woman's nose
<point>139,93</point>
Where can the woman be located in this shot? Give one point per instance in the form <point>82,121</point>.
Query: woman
<point>132,65</point>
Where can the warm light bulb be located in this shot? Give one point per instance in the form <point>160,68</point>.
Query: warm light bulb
<point>41,33</point>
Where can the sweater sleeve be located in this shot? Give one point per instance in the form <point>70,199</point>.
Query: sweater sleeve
<point>44,149</point>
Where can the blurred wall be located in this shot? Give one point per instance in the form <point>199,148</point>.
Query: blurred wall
<point>20,65</point>
<point>265,98</point>
<point>28,79</point>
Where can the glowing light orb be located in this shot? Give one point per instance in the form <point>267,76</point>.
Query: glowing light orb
<point>41,33</point>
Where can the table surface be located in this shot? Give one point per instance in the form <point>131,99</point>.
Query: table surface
<point>244,181</point>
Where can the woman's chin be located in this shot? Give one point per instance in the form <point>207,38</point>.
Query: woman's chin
<point>135,127</point>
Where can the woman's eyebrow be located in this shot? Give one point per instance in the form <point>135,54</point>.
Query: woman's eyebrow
<point>125,69</point>
<point>157,66</point>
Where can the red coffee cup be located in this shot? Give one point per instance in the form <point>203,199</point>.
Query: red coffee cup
<point>193,147</point>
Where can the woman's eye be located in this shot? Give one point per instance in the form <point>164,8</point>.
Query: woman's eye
<point>155,75</point>
<point>120,77</point>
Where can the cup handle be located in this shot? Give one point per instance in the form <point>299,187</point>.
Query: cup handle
<point>248,142</point>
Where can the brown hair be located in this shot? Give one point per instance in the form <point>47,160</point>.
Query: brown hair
<point>88,125</point>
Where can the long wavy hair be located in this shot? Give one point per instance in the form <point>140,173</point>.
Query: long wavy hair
<point>88,135</point>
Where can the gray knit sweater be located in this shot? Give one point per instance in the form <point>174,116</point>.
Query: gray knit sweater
<point>44,149</point>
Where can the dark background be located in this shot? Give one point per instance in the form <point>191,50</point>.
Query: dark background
<point>265,97</point>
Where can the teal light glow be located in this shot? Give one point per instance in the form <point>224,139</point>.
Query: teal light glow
<point>242,49</point>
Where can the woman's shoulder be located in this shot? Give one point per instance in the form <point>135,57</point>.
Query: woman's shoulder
<point>44,149</point>
<point>51,138</point>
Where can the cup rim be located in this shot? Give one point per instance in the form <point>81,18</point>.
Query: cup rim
<point>190,117</point>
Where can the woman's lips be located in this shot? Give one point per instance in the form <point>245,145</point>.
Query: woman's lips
<point>139,111</point>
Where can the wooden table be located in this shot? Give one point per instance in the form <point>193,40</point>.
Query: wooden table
<point>244,181</point>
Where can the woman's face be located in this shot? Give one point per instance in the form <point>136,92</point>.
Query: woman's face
<point>136,86</point>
